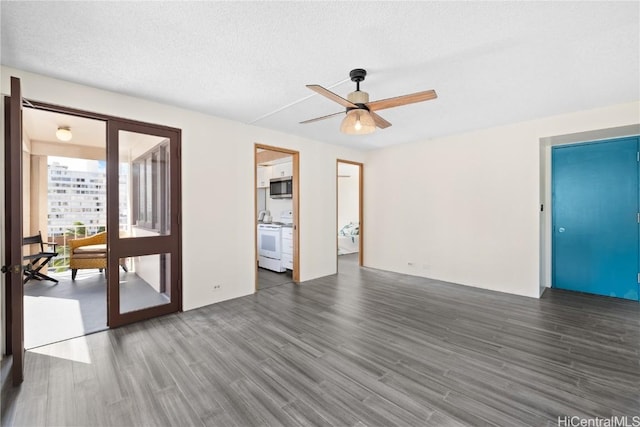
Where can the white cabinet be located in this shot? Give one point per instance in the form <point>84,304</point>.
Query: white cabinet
<point>282,169</point>
<point>287,262</point>
<point>287,247</point>
<point>263,176</point>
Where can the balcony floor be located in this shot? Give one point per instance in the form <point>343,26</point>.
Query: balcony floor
<point>68,309</point>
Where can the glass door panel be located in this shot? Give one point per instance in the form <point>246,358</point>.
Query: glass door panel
<point>143,229</point>
<point>144,190</point>
<point>144,282</point>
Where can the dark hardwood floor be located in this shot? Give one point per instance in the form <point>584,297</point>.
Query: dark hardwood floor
<point>363,347</point>
<point>268,279</point>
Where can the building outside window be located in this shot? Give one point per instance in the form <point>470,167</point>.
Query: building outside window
<point>77,201</point>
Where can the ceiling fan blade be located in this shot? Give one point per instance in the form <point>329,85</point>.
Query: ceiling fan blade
<point>321,118</point>
<point>402,100</point>
<point>332,96</point>
<point>380,122</point>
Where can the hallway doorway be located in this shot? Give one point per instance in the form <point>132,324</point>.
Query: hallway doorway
<point>349,196</point>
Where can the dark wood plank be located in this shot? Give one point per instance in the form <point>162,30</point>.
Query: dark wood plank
<point>364,347</point>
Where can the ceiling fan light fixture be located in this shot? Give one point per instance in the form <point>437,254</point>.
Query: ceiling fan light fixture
<point>64,133</point>
<point>358,122</point>
<point>362,116</point>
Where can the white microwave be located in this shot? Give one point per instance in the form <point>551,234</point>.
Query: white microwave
<point>281,188</point>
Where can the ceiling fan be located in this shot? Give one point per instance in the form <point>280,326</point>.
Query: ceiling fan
<point>361,116</point>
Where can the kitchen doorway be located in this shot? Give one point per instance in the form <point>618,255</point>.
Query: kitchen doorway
<point>276,221</point>
<point>349,196</point>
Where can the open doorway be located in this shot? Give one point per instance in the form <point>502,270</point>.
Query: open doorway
<point>349,215</point>
<point>276,207</point>
<point>64,201</point>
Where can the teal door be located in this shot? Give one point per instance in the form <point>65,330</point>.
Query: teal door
<point>596,235</point>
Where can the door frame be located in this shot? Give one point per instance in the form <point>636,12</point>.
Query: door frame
<point>13,212</point>
<point>141,246</point>
<point>295,201</point>
<point>553,211</point>
<point>546,207</point>
<point>360,208</point>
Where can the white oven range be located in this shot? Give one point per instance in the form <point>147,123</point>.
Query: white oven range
<point>275,244</point>
<point>270,247</point>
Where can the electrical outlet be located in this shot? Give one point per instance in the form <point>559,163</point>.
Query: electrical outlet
<point>216,287</point>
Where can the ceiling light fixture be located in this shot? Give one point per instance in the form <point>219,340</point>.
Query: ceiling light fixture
<point>64,133</point>
<point>358,122</point>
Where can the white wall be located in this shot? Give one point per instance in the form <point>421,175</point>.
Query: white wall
<point>348,194</point>
<point>147,267</point>
<point>26,185</point>
<point>465,208</point>
<point>276,206</point>
<point>218,221</point>
<point>39,195</point>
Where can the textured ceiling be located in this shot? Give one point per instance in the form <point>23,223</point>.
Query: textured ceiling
<point>491,63</point>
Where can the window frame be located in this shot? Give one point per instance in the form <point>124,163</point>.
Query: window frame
<point>150,174</point>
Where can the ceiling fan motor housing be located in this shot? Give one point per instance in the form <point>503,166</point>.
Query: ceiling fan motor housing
<point>358,97</point>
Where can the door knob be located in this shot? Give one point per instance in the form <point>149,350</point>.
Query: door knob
<point>12,268</point>
<point>561,229</point>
